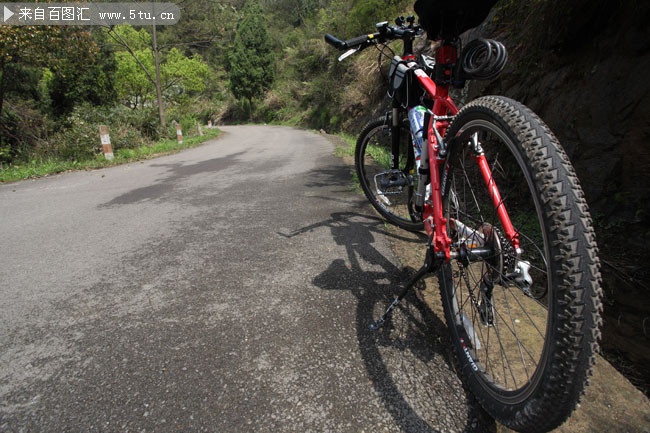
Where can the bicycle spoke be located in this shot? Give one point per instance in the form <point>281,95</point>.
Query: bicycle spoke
<point>478,207</point>
<point>510,315</point>
<point>504,357</point>
<point>526,312</point>
<point>514,328</point>
<point>515,334</point>
<point>390,191</point>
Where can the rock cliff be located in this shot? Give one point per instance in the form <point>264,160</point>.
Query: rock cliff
<point>584,67</point>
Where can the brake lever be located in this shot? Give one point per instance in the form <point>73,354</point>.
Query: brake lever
<point>348,53</point>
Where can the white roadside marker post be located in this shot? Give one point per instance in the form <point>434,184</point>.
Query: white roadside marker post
<point>179,133</point>
<point>198,124</point>
<point>106,142</point>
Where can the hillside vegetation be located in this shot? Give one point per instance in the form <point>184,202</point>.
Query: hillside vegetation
<point>310,87</point>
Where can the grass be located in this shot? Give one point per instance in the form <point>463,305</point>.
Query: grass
<point>381,155</point>
<point>348,150</point>
<point>43,167</point>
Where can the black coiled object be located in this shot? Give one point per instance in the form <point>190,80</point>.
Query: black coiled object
<point>484,59</point>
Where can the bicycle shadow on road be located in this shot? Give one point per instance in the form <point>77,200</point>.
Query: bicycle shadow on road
<point>409,360</point>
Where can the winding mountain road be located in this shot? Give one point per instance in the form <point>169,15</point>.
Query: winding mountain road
<point>224,288</point>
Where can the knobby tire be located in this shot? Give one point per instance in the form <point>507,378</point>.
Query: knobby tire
<point>525,353</point>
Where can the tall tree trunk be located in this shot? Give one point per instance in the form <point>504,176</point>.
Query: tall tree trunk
<point>161,110</point>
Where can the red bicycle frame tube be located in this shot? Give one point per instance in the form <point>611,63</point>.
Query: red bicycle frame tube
<point>498,203</point>
<point>434,221</point>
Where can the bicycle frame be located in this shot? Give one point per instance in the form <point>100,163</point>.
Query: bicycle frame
<point>492,283</point>
<point>433,217</point>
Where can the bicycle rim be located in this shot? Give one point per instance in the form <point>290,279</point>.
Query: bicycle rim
<point>501,322</point>
<point>524,326</point>
<point>391,192</point>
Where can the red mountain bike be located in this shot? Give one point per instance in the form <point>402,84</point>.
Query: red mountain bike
<point>509,232</point>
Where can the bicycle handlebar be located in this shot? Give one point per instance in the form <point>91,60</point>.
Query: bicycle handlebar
<point>385,33</point>
<point>335,42</point>
<point>350,43</point>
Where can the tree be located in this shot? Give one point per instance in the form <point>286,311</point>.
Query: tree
<point>143,70</point>
<point>200,33</point>
<point>133,86</point>
<point>251,63</point>
<point>38,46</point>
<point>135,80</point>
<point>24,50</point>
<point>130,45</point>
<point>80,79</point>
<point>296,12</point>
<point>184,73</point>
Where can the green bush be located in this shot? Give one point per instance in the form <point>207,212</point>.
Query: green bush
<point>78,141</point>
<point>188,127</point>
<point>189,113</point>
<point>23,130</point>
<point>78,138</point>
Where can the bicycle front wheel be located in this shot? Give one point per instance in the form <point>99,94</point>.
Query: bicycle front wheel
<point>524,326</point>
<point>391,192</point>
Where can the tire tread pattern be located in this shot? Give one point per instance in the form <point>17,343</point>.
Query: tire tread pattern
<point>576,331</point>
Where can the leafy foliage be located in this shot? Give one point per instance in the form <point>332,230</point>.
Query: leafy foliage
<point>310,87</point>
<point>179,74</point>
<point>186,74</point>
<point>79,139</point>
<point>133,85</point>
<point>24,51</point>
<point>77,80</point>
<point>44,45</point>
<point>251,62</point>
<point>218,59</point>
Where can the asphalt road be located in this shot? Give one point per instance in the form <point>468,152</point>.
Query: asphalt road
<point>224,288</point>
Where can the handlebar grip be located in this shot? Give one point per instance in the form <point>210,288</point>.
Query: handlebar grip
<point>335,42</point>
<point>351,43</point>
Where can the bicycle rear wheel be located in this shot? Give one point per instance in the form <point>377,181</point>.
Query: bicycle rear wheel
<point>524,328</point>
<point>391,192</point>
